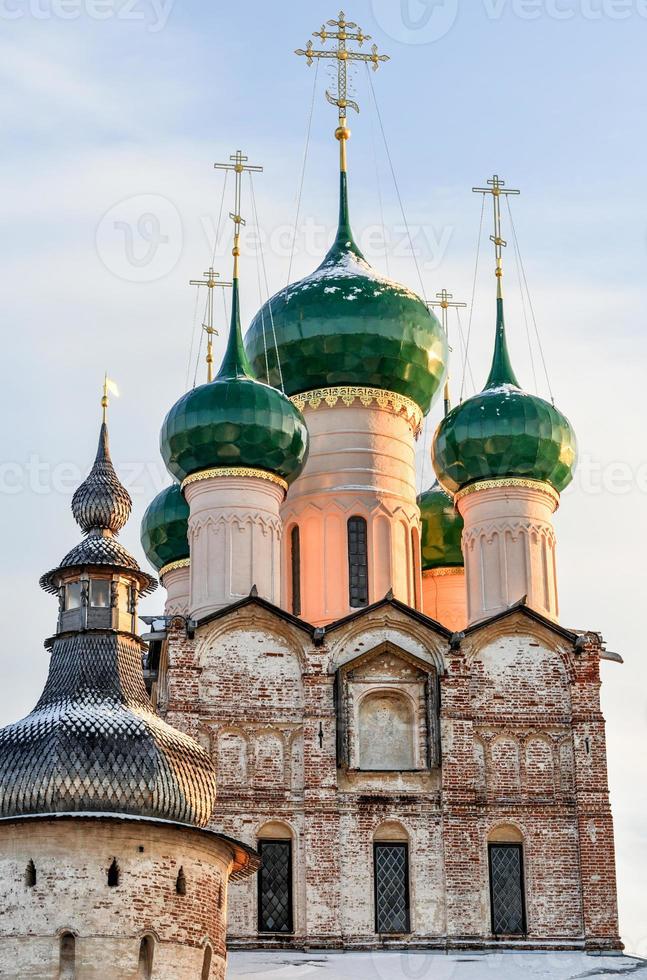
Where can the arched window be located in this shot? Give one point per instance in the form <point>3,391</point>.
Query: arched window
<point>416,569</point>
<point>391,880</point>
<point>295,569</point>
<point>180,882</point>
<point>357,562</point>
<point>67,962</point>
<point>146,953</point>
<point>113,874</point>
<point>386,732</point>
<point>206,964</point>
<point>30,875</point>
<point>507,887</point>
<point>275,911</point>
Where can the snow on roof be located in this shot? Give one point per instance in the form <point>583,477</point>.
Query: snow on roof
<point>381,965</point>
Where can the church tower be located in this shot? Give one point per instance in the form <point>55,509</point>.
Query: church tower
<point>234,444</point>
<point>363,358</point>
<point>506,456</point>
<point>104,858</point>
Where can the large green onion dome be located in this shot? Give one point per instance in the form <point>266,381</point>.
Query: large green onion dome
<point>164,528</point>
<point>504,432</point>
<point>347,325</point>
<point>442,528</point>
<point>234,421</point>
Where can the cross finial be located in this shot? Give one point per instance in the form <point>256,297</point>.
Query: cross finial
<point>211,280</point>
<point>496,187</point>
<point>239,165</point>
<point>343,31</point>
<point>444,301</point>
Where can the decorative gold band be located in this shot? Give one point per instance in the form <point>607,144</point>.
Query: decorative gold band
<point>173,565</point>
<point>539,485</point>
<point>442,572</point>
<point>235,471</point>
<point>390,400</point>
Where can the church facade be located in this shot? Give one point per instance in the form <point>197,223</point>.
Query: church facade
<point>400,724</point>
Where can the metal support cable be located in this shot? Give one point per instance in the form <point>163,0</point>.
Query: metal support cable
<point>303,172</point>
<point>267,288</point>
<point>469,326</point>
<point>530,303</point>
<point>395,182</point>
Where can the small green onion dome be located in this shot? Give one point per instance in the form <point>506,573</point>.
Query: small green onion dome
<point>346,325</point>
<point>234,421</point>
<point>442,528</point>
<point>504,432</point>
<point>164,528</point>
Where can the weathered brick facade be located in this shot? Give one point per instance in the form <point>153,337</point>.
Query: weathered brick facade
<point>501,739</point>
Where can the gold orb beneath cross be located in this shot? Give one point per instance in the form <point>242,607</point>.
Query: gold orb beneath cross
<point>342,133</point>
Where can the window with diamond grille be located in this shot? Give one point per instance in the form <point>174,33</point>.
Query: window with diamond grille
<point>357,562</point>
<point>275,886</point>
<point>507,889</point>
<point>391,888</point>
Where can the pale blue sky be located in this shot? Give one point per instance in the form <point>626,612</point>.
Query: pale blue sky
<point>108,120</point>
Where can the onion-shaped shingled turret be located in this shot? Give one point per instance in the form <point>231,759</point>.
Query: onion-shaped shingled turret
<point>347,325</point>
<point>504,433</point>
<point>102,501</point>
<point>93,743</point>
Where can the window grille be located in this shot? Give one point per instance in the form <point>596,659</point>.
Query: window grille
<point>391,888</point>
<point>507,890</point>
<point>275,886</point>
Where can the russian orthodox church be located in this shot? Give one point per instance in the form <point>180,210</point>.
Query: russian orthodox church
<point>406,740</point>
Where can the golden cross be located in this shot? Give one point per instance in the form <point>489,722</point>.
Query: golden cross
<point>211,281</point>
<point>239,165</point>
<point>345,31</point>
<point>444,301</point>
<point>496,187</point>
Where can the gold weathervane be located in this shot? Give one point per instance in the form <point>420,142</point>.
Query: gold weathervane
<point>345,31</point>
<point>211,280</point>
<point>109,388</point>
<point>444,301</point>
<point>496,187</point>
<point>239,166</point>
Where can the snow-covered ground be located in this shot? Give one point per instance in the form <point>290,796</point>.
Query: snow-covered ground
<point>431,966</point>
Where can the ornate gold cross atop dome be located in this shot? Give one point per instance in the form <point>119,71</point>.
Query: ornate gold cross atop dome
<point>496,187</point>
<point>343,32</point>
<point>211,280</point>
<point>239,164</point>
<point>444,301</point>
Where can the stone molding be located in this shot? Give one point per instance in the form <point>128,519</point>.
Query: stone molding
<point>388,400</point>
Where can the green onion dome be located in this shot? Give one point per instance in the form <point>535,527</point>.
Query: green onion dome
<point>164,528</point>
<point>504,432</point>
<point>234,421</point>
<point>442,528</point>
<point>346,325</point>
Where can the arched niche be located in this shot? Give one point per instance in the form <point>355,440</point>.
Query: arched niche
<point>387,736</point>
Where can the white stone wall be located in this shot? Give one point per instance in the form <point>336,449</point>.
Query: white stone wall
<point>71,895</point>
